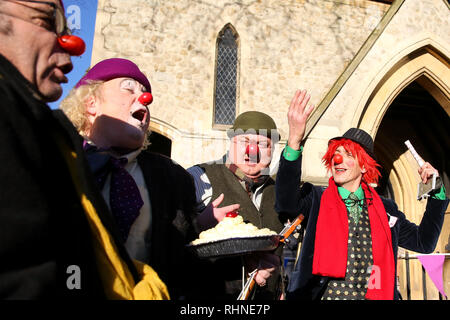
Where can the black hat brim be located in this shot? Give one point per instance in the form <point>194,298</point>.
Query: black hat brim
<point>368,151</point>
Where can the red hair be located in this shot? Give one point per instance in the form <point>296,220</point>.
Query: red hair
<point>371,175</point>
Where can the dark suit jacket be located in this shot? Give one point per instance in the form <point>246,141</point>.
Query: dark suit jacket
<point>172,198</point>
<point>43,227</point>
<point>292,200</point>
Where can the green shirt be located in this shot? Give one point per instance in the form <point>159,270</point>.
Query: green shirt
<point>291,154</point>
<point>344,193</point>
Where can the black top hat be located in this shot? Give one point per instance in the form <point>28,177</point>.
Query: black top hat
<point>361,137</point>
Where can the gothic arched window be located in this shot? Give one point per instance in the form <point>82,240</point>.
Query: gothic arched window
<point>225,95</point>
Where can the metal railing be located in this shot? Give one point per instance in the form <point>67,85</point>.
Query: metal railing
<point>407,259</point>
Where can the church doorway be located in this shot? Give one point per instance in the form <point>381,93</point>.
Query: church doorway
<point>412,102</point>
<point>416,116</point>
<point>160,144</point>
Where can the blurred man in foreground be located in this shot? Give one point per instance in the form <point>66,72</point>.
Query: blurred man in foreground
<point>57,239</point>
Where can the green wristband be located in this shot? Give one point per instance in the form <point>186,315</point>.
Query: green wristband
<point>291,154</point>
<point>440,195</point>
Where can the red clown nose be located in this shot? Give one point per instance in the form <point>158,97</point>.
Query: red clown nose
<point>252,151</point>
<point>73,45</point>
<point>146,98</point>
<point>338,159</point>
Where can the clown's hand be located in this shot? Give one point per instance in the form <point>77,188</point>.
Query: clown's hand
<point>212,214</point>
<point>298,113</point>
<point>266,263</point>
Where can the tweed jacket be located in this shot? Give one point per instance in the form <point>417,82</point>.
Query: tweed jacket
<point>224,181</point>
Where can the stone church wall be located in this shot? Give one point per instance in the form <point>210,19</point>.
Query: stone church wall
<point>283,45</point>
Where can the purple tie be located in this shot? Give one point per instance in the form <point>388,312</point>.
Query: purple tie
<point>125,198</point>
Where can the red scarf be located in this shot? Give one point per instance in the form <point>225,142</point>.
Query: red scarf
<point>330,248</point>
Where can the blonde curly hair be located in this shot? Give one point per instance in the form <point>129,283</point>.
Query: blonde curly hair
<point>74,107</point>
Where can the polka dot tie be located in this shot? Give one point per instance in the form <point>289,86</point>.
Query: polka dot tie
<point>125,198</point>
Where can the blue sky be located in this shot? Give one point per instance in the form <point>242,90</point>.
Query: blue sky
<point>81,16</point>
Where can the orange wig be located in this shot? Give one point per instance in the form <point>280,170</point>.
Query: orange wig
<point>372,173</point>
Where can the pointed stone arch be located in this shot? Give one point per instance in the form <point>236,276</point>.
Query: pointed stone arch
<point>426,65</point>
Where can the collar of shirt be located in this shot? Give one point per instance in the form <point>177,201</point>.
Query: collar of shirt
<point>253,187</point>
<point>344,193</point>
<point>130,156</point>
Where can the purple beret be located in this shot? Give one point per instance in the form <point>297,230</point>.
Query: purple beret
<point>115,68</point>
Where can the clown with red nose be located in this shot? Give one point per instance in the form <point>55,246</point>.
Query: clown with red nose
<point>251,139</point>
<point>118,116</point>
<point>144,191</point>
<point>241,185</point>
<point>351,240</point>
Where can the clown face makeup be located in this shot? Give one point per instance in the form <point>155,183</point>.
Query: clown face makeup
<point>243,154</point>
<point>346,171</point>
<point>118,119</point>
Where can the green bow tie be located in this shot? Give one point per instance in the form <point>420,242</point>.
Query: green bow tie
<point>352,203</point>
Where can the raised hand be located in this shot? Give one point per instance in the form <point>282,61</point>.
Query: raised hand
<point>298,113</point>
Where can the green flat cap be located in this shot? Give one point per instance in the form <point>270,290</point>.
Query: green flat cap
<point>254,122</point>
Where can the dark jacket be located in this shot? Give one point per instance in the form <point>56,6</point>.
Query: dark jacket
<point>172,197</point>
<point>292,200</point>
<point>43,227</point>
